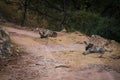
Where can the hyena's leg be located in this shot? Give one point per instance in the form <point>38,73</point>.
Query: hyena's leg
<point>41,32</point>
<point>46,33</point>
<point>101,55</point>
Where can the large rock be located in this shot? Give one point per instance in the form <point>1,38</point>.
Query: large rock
<point>5,44</point>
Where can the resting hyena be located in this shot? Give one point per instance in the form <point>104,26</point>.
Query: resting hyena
<point>45,33</point>
<point>90,48</point>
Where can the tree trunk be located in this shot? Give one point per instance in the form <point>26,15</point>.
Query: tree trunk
<point>60,26</point>
<point>26,3</point>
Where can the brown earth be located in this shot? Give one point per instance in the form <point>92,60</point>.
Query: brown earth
<point>58,59</point>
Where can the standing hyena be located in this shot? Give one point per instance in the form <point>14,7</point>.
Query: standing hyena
<point>45,33</point>
<point>90,48</point>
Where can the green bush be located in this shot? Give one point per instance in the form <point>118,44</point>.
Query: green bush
<point>91,23</point>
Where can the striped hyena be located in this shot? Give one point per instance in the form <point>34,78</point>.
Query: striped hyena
<point>45,33</point>
<point>91,48</point>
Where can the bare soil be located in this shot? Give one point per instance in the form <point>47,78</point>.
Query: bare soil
<point>58,58</point>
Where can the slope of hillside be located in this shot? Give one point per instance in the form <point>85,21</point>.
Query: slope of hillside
<point>58,58</point>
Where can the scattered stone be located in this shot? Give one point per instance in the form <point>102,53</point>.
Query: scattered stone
<point>115,56</point>
<point>64,30</point>
<point>100,68</point>
<point>78,42</point>
<point>63,66</point>
<point>98,40</point>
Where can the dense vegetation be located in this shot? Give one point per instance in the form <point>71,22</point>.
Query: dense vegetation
<point>87,16</point>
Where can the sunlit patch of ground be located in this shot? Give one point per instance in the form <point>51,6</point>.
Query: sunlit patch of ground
<point>59,58</point>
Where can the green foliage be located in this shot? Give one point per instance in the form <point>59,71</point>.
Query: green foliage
<point>87,16</point>
<point>9,11</point>
<point>83,21</point>
<point>91,23</point>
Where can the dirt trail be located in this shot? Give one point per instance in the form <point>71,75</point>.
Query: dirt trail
<point>53,59</point>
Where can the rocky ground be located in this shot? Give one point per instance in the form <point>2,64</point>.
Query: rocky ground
<point>58,58</point>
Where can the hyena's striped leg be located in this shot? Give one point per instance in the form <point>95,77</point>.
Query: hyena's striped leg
<point>86,52</point>
<point>41,33</point>
<point>101,55</point>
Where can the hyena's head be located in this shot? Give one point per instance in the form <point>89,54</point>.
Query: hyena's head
<point>88,45</point>
<point>88,48</point>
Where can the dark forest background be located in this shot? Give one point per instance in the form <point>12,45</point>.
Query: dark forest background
<point>101,17</point>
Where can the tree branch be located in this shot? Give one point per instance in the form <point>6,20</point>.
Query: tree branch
<point>53,6</point>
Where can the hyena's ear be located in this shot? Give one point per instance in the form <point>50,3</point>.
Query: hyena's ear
<point>85,42</point>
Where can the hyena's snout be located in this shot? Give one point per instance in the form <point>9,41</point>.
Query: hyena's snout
<point>86,52</point>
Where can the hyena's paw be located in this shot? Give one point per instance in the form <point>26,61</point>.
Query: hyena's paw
<point>100,56</point>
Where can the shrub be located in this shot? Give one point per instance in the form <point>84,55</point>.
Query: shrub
<point>91,23</point>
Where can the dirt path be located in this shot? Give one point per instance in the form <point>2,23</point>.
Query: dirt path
<point>53,59</point>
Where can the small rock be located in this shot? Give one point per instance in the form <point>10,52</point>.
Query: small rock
<point>115,56</point>
<point>62,66</point>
